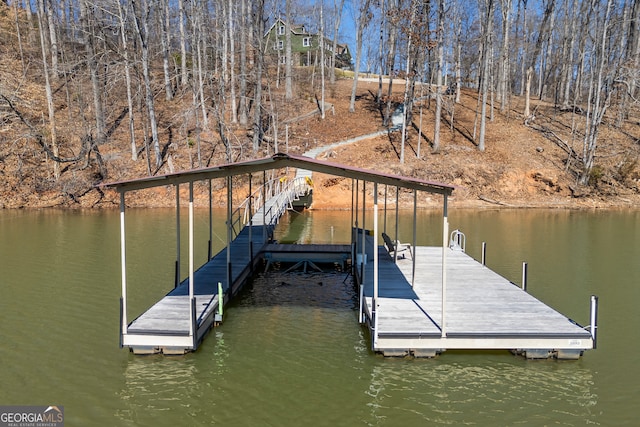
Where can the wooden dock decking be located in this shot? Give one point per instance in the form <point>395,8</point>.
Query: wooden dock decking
<point>483,310</point>
<point>165,327</point>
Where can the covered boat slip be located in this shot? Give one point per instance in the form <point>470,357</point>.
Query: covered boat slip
<point>427,301</point>
<point>482,310</point>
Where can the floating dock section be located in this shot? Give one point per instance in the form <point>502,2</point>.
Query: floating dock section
<point>480,309</point>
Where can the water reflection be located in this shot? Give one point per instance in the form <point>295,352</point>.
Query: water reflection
<point>155,385</point>
<point>328,289</point>
<point>504,390</point>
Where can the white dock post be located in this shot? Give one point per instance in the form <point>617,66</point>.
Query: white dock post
<point>524,276</point>
<point>594,320</point>
<point>445,242</point>
<point>123,265</point>
<point>363,248</point>
<point>375,262</point>
<point>220,300</point>
<point>395,253</point>
<point>192,313</point>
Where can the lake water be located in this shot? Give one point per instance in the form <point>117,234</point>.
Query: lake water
<point>290,351</point>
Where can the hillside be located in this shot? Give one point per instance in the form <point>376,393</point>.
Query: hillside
<point>524,165</point>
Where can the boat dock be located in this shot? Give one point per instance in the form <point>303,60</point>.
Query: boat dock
<point>420,302</point>
<point>482,310</point>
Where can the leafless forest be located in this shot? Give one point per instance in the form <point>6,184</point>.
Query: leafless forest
<point>99,90</point>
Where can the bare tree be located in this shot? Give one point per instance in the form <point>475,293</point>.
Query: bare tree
<point>288,70</point>
<point>543,35</point>
<point>338,6</point>
<point>122,16</point>
<point>258,30</point>
<point>364,16</point>
<point>599,93</point>
<point>142,15</point>
<point>49,92</point>
<point>439,71</point>
<point>503,77</point>
<point>165,42</point>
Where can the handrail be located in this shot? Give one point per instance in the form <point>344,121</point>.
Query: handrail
<point>457,241</point>
<point>284,190</point>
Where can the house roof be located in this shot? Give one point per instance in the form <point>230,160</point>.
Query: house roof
<point>298,29</point>
<point>279,161</point>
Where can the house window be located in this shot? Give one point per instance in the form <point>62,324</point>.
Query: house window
<point>306,42</point>
<point>283,60</point>
<point>279,45</point>
<point>281,30</point>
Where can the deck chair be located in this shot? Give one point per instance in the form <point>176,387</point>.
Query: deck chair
<point>395,247</point>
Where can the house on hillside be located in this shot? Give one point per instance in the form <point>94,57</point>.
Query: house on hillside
<point>305,46</point>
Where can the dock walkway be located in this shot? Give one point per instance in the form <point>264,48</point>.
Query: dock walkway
<point>483,310</point>
<point>166,325</point>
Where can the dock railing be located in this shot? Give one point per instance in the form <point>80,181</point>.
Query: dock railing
<point>269,200</point>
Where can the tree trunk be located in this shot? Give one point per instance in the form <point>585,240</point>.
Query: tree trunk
<point>53,39</point>
<point>49,92</point>
<point>543,35</point>
<point>288,68</point>
<point>322,60</point>
<point>243,113</point>
<point>488,27</point>
<point>258,31</point>
<point>184,79</point>
<point>599,97</point>
<point>127,75</point>
<point>165,42</point>
<point>232,63</point>
<point>336,26</point>
<point>439,71</point>
<point>142,13</point>
<point>503,79</point>
<point>363,20</point>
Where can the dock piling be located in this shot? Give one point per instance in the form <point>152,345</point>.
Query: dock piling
<point>484,253</point>
<point>594,319</point>
<point>524,276</point>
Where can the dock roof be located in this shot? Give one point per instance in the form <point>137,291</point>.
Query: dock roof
<point>279,161</point>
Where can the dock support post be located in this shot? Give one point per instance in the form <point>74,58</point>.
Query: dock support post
<point>364,206</point>
<point>177,278</point>
<point>194,326</point>
<point>375,254</point>
<point>220,299</point>
<point>251,224</point>
<point>210,248</point>
<point>484,253</point>
<point>594,320</point>
<point>264,204</point>
<point>192,308</point>
<point>121,331</point>
<point>229,226</point>
<point>524,276</point>
<point>445,243</point>
<point>414,242</point>
<point>395,253</point>
<point>384,227</point>
<point>123,265</point>
<point>361,313</point>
